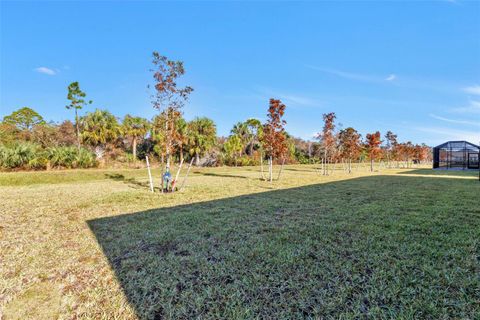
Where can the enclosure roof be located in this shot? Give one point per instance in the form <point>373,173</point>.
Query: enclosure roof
<point>458,144</point>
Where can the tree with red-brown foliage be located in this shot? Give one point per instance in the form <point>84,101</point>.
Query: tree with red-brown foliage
<point>168,98</point>
<point>422,153</point>
<point>391,144</point>
<point>327,138</point>
<point>373,143</point>
<point>274,139</point>
<point>350,145</point>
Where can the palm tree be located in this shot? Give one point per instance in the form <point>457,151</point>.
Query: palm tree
<point>255,128</point>
<point>135,128</point>
<point>201,136</point>
<point>242,131</point>
<point>100,129</point>
<point>233,146</point>
<point>181,135</point>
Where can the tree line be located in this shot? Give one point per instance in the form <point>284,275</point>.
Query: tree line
<point>96,138</point>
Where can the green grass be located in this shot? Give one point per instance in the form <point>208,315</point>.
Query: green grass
<point>393,244</point>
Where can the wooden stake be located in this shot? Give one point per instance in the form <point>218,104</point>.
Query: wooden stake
<point>149,174</point>
<point>186,175</point>
<point>176,176</point>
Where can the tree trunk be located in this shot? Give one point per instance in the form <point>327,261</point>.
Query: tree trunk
<point>167,141</point>
<point>261,166</point>
<point>161,177</point>
<point>197,159</point>
<point>371,165</point>
<point>251,149</point>
<point>134,147</point>
<point>325,170</point>
<point>235,159</point>
<point>77,125</point>
<point>270,160</point>
<point>149,174</point>
<point>281,168</point>
<point>181,153</point>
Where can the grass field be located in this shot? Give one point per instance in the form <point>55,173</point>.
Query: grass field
<point>400,243</point>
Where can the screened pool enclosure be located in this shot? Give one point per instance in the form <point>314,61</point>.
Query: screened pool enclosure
<point>456,155</point>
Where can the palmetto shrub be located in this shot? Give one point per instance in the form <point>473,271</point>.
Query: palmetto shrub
<point>32,156</point>
<point>23,156</point>
<point>64,157</point>
<point>70,157</point>
<point>85,159</point>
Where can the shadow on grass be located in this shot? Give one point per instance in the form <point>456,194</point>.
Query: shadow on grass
<point>302,170</point>
<point>380,246</point>
<point>211,174</point>
<point>130,181</point>
<point>442,172</point>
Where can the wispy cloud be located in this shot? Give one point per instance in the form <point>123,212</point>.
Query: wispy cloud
<point>354,76</point>
<point>442,134</point>
<point>472,107</point>
<point>472,90</point>
<point>289,98</point>
<point>391,77</point>
<point>457,121</point>
<point>45,70</point>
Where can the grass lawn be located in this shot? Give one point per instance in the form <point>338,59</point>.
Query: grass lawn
<point>400,243</point>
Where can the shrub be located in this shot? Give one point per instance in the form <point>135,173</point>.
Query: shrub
<point>70,157</point>
<point>23,156</point>
<point>63,157</point>
<point>86,159</point>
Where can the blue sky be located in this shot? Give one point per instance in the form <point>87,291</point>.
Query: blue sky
<point>409,67</point>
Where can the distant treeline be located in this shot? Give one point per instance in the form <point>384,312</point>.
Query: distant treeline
<point>96,138</point>
<point>27,141</point>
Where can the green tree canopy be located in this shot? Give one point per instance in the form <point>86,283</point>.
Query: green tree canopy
<point>24,119</point>
<point>77,101</point>
<point>202,136</point>
<point>233,146</point>
<point>135,128</point>
<point>99,128</point>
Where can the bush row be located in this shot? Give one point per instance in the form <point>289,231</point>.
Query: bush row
<point>31,156</point>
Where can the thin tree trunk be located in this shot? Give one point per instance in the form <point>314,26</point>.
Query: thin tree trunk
<point>261,166</point>
<point>181,153</point>
<point>197,159</point>
<point>77,125</point>
<point>270,163</point>
<point>186,175</point>
<point>167,140</point>
<point>325,170</point>
<point>134,147</point>
<point>149,174</point>
<point>334,167</point>
<point>161,177</point>
<point>371,165</point>
<point>281,168</point>
<point>350,165</point>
